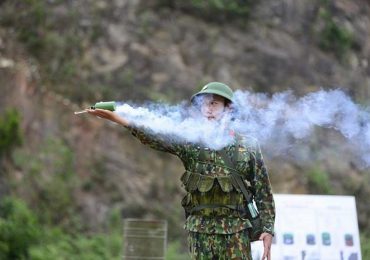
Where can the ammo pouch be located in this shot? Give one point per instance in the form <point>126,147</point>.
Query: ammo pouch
<point>195,183</point>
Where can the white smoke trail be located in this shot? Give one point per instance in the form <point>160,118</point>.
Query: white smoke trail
<point>278,121</point>
<point>178,123</point>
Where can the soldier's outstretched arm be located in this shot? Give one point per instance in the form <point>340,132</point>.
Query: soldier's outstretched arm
<point>109,115</point>
<point>156,142</point>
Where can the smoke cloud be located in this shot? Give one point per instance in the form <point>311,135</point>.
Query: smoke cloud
<point>278,122</point>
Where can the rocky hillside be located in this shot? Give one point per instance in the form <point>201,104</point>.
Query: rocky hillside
<point>60,56</point>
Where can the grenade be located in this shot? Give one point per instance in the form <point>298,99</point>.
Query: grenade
<point>110,105</point>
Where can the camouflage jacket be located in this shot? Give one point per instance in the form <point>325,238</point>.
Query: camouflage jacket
<point>215,167</point>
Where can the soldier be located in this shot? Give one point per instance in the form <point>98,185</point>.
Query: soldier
<point>220,184</point>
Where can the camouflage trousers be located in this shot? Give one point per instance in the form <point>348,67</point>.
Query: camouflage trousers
<point>204,246</point>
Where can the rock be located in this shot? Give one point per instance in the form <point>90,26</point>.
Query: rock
<point>6,63</point>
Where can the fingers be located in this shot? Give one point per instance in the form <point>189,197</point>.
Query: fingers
<point>109,115</point>
<point>93,112</point>
<point>100,113</point>
<point>266,253</point>
<point>267,240</point>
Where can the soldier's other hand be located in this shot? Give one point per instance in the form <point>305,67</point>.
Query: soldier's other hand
<point>267,241</point>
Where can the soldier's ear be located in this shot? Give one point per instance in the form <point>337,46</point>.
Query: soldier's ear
<point>227,103</point>
<point>228,109</point>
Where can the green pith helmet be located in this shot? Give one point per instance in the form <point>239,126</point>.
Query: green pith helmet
<point>216,88</point>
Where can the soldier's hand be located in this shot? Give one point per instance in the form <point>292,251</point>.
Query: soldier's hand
<point>102,113</point>
<point>267,241</point>
<point>109,115</point>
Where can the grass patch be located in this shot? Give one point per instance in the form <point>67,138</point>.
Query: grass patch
<point>318,182</point>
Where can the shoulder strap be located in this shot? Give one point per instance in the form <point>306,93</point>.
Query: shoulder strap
<point>202,157</point>
<point>232,165</point>
<point>226,158</point>
<point>202,154</point>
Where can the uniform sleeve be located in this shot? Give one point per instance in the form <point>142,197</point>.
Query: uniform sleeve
<point>263,194</point>
<point>157,142</point>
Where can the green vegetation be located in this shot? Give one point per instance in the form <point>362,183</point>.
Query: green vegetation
<point>54,36</point>
<point>213,10</point>
<point>19,230</point>
<point>365,245</point>
<point>22,236</point>
<point>174,252</point>
<point>334,37</point>
<point>54,228</point>
<point>319,182</point>
<point>49,187</point>
<point>235,7</point>
<point>10,132</point>
<point>50,181</point>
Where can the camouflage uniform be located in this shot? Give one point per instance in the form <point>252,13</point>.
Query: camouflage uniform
<point>213,203</point>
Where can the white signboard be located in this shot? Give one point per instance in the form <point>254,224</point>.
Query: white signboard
<point>314,227</point>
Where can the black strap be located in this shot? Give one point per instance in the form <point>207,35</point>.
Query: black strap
<point>241,186</point>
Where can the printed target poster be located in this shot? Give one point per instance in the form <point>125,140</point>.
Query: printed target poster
<point>314,227</point>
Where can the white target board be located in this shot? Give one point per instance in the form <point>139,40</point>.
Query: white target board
<point>314,227</point>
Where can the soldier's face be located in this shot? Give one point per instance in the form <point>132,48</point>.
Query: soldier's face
<point>212,106</point>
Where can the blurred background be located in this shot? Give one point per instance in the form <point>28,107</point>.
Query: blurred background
<point>66,181</point>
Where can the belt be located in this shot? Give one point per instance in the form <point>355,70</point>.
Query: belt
<point>217,210</point>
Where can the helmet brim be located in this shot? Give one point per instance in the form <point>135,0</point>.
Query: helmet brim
<point>213,92</point>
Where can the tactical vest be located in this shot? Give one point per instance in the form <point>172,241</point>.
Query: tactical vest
<point>213,195</point>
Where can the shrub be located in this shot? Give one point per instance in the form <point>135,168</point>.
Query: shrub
<point>333,37</point>
<point>22,237</point>
<point>318,182</point>
<point>234,7</point>
<point>10,132</point>
<point>19,229</point>
<point>57,244</point>
<point>50,181</point>
<point>365,245</point>
<point>213,10</point>
<point>174,252</point>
